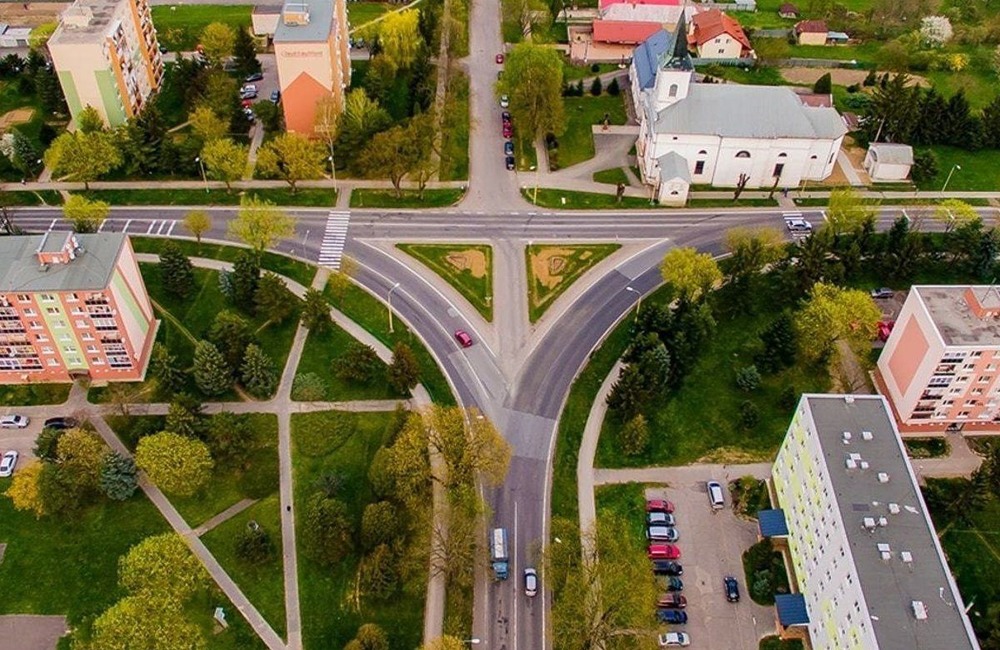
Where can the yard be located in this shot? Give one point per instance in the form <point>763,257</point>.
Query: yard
<point>455,128</point>
<point>980,170</point>
<point>179,27</point>
<point>626,502</point>
<point>33,394</point>
<point>468,268</point>
<point>359,13</point>
<point>318,357</point>
<point>552,269</point>
<point>612,176</point>
<point>582,113</point>
<point>432,198</point>
<point>573,200</point>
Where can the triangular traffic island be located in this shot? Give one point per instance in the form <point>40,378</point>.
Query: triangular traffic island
<point>466,267</point>
<point>553,268</point>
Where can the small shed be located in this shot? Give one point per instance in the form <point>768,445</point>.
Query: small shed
<point>675,179</point>
<point>788,10</point>
<point>811,32</point>
<point>886,161</point>
<point>14,36</point>
<point>837,38</point>
<point>264,20</point>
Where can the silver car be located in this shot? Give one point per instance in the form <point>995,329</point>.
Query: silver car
<point>7,464</point>
<point>13,421</point>
<point>530,582</point>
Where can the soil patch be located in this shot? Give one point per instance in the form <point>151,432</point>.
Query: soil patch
<point>548,265</point>
<point>16,116</point>
<point>839,76</point>
<point>471,260</point>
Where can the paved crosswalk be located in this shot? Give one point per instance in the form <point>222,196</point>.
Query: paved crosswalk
<point>332,248</point>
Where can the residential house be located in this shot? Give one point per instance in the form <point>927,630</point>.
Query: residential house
<point>623,32</point>
<point>888,162</point>
<point>811,32</point>
<point>717,35</point>
<point>788,10</point>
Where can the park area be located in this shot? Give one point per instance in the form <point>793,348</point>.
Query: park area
<point>553,268</point>
<point>466,267</point>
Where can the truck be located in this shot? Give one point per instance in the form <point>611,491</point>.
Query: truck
<point>499,553</point>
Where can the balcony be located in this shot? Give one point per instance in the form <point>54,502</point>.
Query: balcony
<point>95,299</point>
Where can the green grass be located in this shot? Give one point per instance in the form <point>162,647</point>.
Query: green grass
<point>178,27</point>
<point>626,502</point>
<point>263,584</point>
<point>763,565</point>
<point>611,176</point>
<point>345,443</point>
<point>575,72</point>
<point>478,290</point>
<point>863,53</point>
<point>455,128</point>
<point>42,197</point>
<point>978,170</point>
<point>33,394</point>
<point>577,259</point>
<point>278,196</point>
<point>433,198</point>
<point>321,349</point>
<point>573,200</point>
<point>763,76</point>
<point>776,643</point>
<point>749,496</point>
<point>359,13</point>
<point>979,84</point>
<point>525,155</point>
<point>729,203</point>
<point>582,113</point>
<point>926,447</point>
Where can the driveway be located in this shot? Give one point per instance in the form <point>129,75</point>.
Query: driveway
<point>29,632</point>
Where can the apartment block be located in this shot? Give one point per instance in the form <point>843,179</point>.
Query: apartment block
<point>106,55</point>
<point>313,57</point>
<point>940,366</point>
<point>869,571</point>
<point>72,306</point>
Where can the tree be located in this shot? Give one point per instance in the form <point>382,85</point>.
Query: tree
<point>245,279</point>
<point>164,367</point>
<point>225,160</point>
<point>83,157</point>
<point>24,156</point>
<point>613,88</point>
<point>85,215</point>
<point>254,545</point>
<point>823,85</point>
<point>207,125</point>
<point>893,112</point>
<point>634,436</point>
<point>89,120</point>
<point>260,225</point>
<point>176,271</point>
<point>369,637</point>
<point>79,457</point>
<point>629,393</point>
<point>925,166</point>
<point>751,250</point>
<point>470,446</point>
<point>445,642</point>
<point>24,489</point>
<point>292,157</point>
<point>142,622</point>
<point>119,477</point>
<point>211,373</point>
<point>162,567</point>
<point>404,371</point>
<point>46,444</point>
<point>198,222</point>
<point>380,524</point>
<point>359,363</point>
<point>245,53</point>
<point>391,154</point>
<point>954,213</point>
<point>399,38</point>
<point>848,212</point>
<point>217,41</point>
<point>327,122</point>
<point>231,334</point>
<point>769,50</point>
<point>273,300</point>
<point>257,372</point>
<point>748,379</point>
<point>328,529</point>
<point>315,311</point>
<point>935,31</point>
<point>177,465</point>
<point>832,314</point>
<point>749,414</point>
<point>778,340</point>
<point>690,273</point>
<point>362,118</point>
<point>379,575</point>
<point>184,416</point>
<point>533,79</point>
<point>595,87</point>
<point>229,437</point>
<point>340,280</point>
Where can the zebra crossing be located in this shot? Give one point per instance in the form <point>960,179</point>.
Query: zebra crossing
<point>332,248</point>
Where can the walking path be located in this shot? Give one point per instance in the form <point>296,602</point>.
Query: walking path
<point>225,515</point>
<point>961,461</point>
<point>585,472</point>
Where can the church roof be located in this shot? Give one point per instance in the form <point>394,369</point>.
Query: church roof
<point>738,111</point>
<point>673,165</point>
<point>647,55</point>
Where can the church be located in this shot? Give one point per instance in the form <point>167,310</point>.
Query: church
<point>694,133</point>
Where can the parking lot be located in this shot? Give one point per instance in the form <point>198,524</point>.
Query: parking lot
<point>21,440</point>
<point>712,543</point>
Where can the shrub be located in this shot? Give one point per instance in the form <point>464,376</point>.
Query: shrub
<point>634,436</point>
<point>308,387</point>
<point>748,379</point>
<point>613,88</point>
<point>254,545</point>
<point>596,88</point>
<point>749,415</point>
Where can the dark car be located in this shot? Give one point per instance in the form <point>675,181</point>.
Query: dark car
<point>505,116</point>
<point>61,423</point>
<point>463,338</point>
<point>275,96</point>
<point>882,293</point>
<point>257,76</point>
<point>671,616</point>
<point>508,148</point>
<point>509,161</point>
<point>674,584</point>
<point>667,568</point>
<point>732,589</point>
<point>671,601</point>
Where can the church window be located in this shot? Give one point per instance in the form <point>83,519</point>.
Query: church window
<point>673,90</point>
<point>743,154</point>
<point>699,167</point>
<point>702,153</point>
<point>813,157</point>
<point>778,169</point>
<point>782,155</point>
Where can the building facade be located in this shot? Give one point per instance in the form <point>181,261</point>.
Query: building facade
<point>106,55</point>
<point>72,306</point>
<point>940,366</point>
<point>866,558</point>
<point>313,56</point>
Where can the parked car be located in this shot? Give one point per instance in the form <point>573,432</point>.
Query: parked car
<point>659,519</point>
<point>670,639</point>
<point>509,162</point>
<point>256,76</point>
<point>664,533</point>
<point>675,584</point>
<point>249,94</point>
<point>882,293</point>
<point>659,505</point>
<point>61,423</point>
<point>508,148</point>
<point>7,463</point>
<point>671,601</point>
<point>14,421</point>
<point>885,328</point>
<point>663,552</point>
<point>667,568</point>
<point>499,59</point>
<point>247,103</point>
<point>530,582</point>
<point>247,88</point>
<point>275,96</point>
<point>508,130</point>
<point>732,589</point>
<point>504,101</point>
<point>715,495</point>
<point>463,338</point>
<point>798,225</point>
<point>672,616</point>
<point>505,116</point>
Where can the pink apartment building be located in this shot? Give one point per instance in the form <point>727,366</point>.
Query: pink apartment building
<point>72,306</point>
<point>940,366</point>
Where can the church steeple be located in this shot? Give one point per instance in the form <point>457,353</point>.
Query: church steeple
<point>673,77</point>
<point>680,58</point>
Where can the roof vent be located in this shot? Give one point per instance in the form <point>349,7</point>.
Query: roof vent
<point>911,510</point>
<point>883,522</point>
<point>864,464</point>
<point>920,610</point>
<point>885,551</point>
<point>894,508</point>
<point>847,437</point>
<point>906,556</point>
<point>868,523</point>
<point>883,477</point>
<point>866,435</point>
<point>855,456</point>
<point>851,463</point>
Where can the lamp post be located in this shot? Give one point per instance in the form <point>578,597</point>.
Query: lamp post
<point>638,303</point>
<point>201,166</point>
<point>388,300</point>
<point>947,180</point>
<point>472,641</point>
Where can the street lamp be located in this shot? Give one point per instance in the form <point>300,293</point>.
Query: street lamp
<point>472,641</point>
<point>388,300</point>
<point>953,168</point>
<point>201,165</point>
<point>638,303</point>
<point>333,169</point>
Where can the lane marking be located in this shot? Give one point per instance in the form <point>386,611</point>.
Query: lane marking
<point>171,228</point>
<point>128,222</point>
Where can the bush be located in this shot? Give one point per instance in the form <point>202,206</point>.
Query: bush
<point>748,379</point>
<point>765,572</point>
<point>380,524</point>
<point>595,68</point>
<point>749,415</point>
<point>596,88</point>
<point>823,85</point>
<point>254,545</point>
<point>789,397</point>
<point>925,166</point>
<point>613,88</point>
<point>308,387</point>
<point>634,436</point>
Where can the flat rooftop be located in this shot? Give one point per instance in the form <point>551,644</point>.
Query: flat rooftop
<point>317,29</point>
<point>101,13</point>
<point>21,272</point>
<point>955,321</point>
<point>883,512</point>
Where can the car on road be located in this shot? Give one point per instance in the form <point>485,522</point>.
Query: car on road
<point>499,59</point>
<point>671,616</point>
<point>659,505</point>
<point>463,338</point>
<point>275,96</point>
<point>675,584</point>
<point>671,639</point>
<point>798,225</point>
<point>667,568</point>
<point>256,76</point>
<point>509,162</point>
<point>732,589</point>
<point>715,495</point>
<point>664,533</point>
<point>508,130</point>
<point>663,552</point>
<point>7,464</point>
<point>882,293</point>
<point>505,116</point>
<point>504,101</point>
<point>508,148</point>
<point>671,601</point>
<point>530,582</point>
<point>14,421</point>
<point>60,423</point>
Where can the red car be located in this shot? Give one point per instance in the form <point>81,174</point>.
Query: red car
<point>663,552</point>
<point>247,103</point>
<point>463,338</point>
<point>499,59</point>
<point>508,130</point>
<point>659,505</point>
<point>885,329</point>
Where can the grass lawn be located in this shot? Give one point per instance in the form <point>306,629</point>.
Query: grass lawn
<point>926,447</point>
<point>626,501</point>
<point>279,196</point>
<point>763,76</point>
<point>42,197</point>
<point>980,170</point>
<point>979,84</point>
<point>468,268</point>
<point>582,113</point>
<point>262,583</point>
<point>525,155</point>
<point>553,268</point>
<point>572,200</point>
<point>455,127</point>
<point>359,13</point>
<point>321,349</point>
<point>729,203</point>
<point>611,176</point>
<point>433,198</point>
<point>863,53</point>
<point>178,27</point>
<point>777,643</point>
<point>574,72</point>
<point>33,394</point>
<point>344,443</point>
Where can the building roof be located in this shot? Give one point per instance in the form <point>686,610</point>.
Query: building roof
<point>607,3</point>
<point>20,270</point>
<point>739,111</point>
<point>712,23</point>
<point>838,36</point>
<point>321,22</point>
<point>83,21</point>
<point>954,319</point>
<point>892,154</point>
<point>788,9</point>
<point>266,10</point>
<point>673,165</point>
<point>791,609</point>
<point>822,100</point>
<point>772,523</point>
<point>659,50</point>
<point>620,31</point>
<point>811,27</point>
<point>898,561</point>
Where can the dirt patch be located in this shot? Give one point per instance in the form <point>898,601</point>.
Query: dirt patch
<point>840,76</point>
<point>16,116</point>
<point>471,260</point>
<point>36,13</point>
<point>549,264</point>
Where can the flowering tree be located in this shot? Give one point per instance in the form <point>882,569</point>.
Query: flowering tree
<point>935,31</point>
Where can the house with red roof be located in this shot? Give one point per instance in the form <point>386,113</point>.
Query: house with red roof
<point>716,35</point>
<point>624,32</point>
<point>811,32</point>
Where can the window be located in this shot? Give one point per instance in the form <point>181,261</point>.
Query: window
<point>743,154</point>
<point>52,311</point>
<point>23,297</point>
<point>92,349</point>
<point>80,324</point>
<point>48,350</point>
<point>699,167</point>
<point>72,297</point>
<point>97,361</point>
<point>672,92</point>
<point>41,338</point>
<point>87,336</point>
<point>721,51</point>
<point>60,323</point>
<point>53,362</point>
<point>780,167</point>
<point>35,325</point>
<point>47,297</point>
<point>813,157</point>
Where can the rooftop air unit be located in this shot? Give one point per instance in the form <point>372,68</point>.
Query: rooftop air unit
<point>885,551</point>
<point>893,508</point>
<point>883,477</point>
<point>919,610</point>
<point>866,435</point>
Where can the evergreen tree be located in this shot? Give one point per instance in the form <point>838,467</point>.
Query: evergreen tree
<point>257,372</point>
<point>231,334</point>
<point>229,437</point>
<point>613,88</point>
<point>49,91</point>
<point>634,436</point>
<point>359,363</point>
<point>245,53</point>
<point>315,311</point>
<point>273,299</point>
<point>990,118</point>
<point>211,373</point>
<point>25,157</point>
<point>245,280</point>
<point>253,543</point>
<point>404,372</point>
<point>925,166</point>
<point>960,128</point>
<point>823,85</point>
<point>628,395</point>
<point>176,271</point>
<point>118,479</point>
<point>164,367</point>
<point>595,87</point>
<point>184,417</point>
<point>933,113</point>
<point>748,379</point>
<point>778,340</point>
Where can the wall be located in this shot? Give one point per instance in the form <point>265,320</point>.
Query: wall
<point>812,38</point>
<point>721,47</point>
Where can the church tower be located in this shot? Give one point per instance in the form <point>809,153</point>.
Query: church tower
<point>675,70</point>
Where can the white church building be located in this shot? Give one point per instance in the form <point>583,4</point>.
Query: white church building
<point>712,134</point>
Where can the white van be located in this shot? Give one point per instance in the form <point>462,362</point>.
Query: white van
<point>715,495</point>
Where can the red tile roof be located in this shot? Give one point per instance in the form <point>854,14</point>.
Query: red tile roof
<point>811,27</point>
<point>621,31</point>
<point>667,3</point>
<point>788,9</point>
<point>712,23</point>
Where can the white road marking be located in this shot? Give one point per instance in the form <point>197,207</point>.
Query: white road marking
<point>128,222</point>
<point>53,224</point>
<point>149,231</point>
<point>331,249</point>
<point>163,224</point>
<point>171,228</point>
<point>101,227</point>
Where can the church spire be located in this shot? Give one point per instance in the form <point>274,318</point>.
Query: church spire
<point>679,56</point>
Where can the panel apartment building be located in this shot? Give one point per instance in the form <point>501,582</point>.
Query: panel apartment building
<point>866,558</point>
<point>106,55</point>
<point>313,58</point>
<point>72,306</point>
<point>940,366</point>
